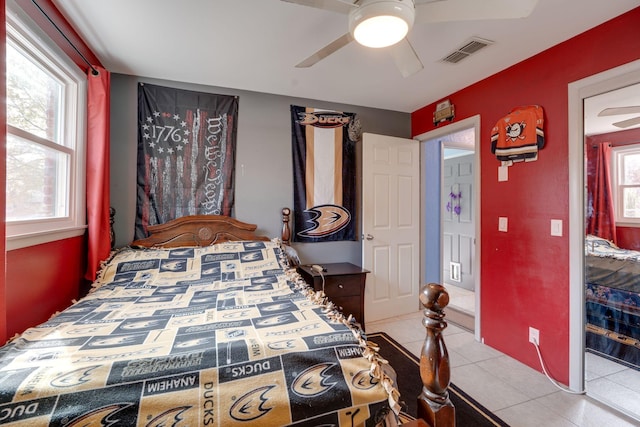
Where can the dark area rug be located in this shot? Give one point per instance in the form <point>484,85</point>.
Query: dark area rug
<point>469,413</point>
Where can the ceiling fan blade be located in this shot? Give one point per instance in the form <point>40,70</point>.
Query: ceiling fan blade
<point>472,10</point>
<point>326,51</point>
<point>340,6</point>
<point>634,109</point>
<point>406,58</point>
<point>627,123</point>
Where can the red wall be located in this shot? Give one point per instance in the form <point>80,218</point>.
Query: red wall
<point>41,280</point>
<point>525,272</point>
<point>3,141</point>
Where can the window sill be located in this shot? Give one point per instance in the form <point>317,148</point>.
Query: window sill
<point>33,239</point>
<point>628,224</point>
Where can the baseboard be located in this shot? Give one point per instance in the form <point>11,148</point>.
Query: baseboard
<point>460,318</point>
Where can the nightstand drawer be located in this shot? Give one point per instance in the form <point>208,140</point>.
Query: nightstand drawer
<point>350,305</point>
<point>340,286</point>
<point>343,284</point>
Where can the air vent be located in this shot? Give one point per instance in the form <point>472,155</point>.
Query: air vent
<point>469,48</point>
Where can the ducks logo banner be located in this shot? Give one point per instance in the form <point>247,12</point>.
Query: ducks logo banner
<point>324,174</point>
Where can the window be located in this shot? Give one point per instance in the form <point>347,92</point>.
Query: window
<point>626,183</point>
<point>46,112</point>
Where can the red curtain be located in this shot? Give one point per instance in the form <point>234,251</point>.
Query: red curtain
<point>98,179</point>
<point>600,213</point>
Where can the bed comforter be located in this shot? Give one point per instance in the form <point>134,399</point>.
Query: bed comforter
<point>612,277</point>
<point>225,335</point>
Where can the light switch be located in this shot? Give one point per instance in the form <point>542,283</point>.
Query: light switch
<point>503,173</point>
<point>556,227</point>
<point>502,223</point>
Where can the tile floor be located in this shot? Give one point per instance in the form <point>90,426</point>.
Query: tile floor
<point>518,394</point>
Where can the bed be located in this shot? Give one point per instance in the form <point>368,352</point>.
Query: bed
<point>612,280</point>
<point>202,323</point>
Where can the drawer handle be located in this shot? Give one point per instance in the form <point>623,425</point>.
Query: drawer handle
<point>341,286</point>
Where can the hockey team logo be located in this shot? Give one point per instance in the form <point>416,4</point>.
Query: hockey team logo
<point>363,380</point>
<point>99,417</point>
<point>324,119</point>
<point>515,131</point>
<point>326,220</point>
<point>74,378</point>
<point>282,345</point>
<point>314,381</point>
<point>171,417</point>
<point>251,405</point>
<point>273,321</point>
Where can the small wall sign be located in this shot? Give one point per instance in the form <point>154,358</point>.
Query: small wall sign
<point>444,111</point>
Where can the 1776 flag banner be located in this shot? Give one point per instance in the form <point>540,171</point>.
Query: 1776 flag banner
<point>186,154</point>
<point>324,174</point>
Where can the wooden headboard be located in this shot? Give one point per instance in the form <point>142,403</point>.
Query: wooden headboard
<point>205,230</point>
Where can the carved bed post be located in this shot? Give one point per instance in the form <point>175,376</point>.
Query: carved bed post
<point>434,405</point>
<point>112,232</point>
<point>286,231</point>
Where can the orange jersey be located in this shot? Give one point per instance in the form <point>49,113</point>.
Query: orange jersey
<point>519,135</point>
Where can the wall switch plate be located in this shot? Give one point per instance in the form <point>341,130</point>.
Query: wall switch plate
<point>503,173</point>
<point>454,271</point>
<point>503,224</point>
<point>556,227</point>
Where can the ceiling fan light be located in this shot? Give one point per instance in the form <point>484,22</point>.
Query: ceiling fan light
<point>380,31</point>
<point>381,23</point>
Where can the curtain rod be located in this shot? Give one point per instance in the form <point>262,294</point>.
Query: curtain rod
<point>623,143</point>
<point>93,70</point>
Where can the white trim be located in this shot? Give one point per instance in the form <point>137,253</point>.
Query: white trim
<point>617,159</point>
<point>471,122</point>
<point>30,37</point>
<point>33,239</point>
<point>615,78</point>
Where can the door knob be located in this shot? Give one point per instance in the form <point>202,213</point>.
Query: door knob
<point>369,237</point>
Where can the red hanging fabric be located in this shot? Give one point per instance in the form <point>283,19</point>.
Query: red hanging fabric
<point>601,216</point>
<point>97,169</point>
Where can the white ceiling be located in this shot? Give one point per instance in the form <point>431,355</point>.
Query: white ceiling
<point>255,44</point>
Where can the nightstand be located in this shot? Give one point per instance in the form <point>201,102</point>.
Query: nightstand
<point>343,284</point>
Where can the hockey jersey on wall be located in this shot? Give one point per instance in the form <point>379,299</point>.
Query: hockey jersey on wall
<point>519,135</point>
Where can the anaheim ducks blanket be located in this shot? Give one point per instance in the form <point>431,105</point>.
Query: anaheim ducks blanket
<point>218,336</point>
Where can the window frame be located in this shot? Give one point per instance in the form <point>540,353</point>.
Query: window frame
<point>617,155</point>
<point>22,32</point>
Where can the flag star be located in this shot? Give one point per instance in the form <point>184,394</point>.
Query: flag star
<point>145,126</point>
<point>160,150</point>
<point>149,119</point>
<point>187,132</point>
<point>156,114</point>
<point>185,141</point>
<point>183,123</point>
<point>170,150</point>
<point>146,136</point>
<point>179,148</point>
<point>176,117</point>
<point>152,144</point>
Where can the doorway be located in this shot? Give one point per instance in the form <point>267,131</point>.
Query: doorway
<point>603,377</point>
<point>450,218</point>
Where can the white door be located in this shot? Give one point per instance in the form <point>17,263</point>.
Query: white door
<point>458,222</point>
<point>390,225</point>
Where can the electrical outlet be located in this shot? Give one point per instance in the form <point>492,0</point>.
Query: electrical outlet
<point>534,335</point>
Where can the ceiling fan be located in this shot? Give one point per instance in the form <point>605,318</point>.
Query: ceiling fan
<point>615,111</point>
<point>405,13</point>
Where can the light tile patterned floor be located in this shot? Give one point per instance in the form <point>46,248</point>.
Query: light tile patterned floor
<point>518,394</point>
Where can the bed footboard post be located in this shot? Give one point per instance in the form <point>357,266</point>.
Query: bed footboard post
<point>434,405</point>
<point>286,230</point>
